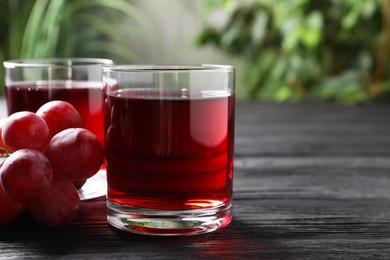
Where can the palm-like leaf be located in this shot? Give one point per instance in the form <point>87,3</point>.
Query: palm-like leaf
<point>70,28</point>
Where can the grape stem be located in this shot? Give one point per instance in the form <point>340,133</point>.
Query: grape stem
<point>4,152</point>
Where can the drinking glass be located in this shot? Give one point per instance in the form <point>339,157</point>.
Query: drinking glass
<point>169,139</point>
<point>31,83</point>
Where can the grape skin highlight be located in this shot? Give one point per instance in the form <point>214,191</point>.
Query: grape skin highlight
<point>25,130</point>
<point>75,154</point>
<point>60,115</point>
<point>25,175</point>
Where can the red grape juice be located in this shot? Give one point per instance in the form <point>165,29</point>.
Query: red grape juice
<point>169,151</point>
<point>86,97</point>
<point>26,97</point>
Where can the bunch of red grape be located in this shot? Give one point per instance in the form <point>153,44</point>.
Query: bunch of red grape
<point>49,154</point>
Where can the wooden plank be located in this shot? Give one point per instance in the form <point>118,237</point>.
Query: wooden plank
<point>293,207</point>
<point>253,233</point>
<point>312,129</point>
<point>321,177</point>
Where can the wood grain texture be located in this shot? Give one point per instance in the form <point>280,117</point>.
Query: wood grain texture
<point>312,129</point>
<point>311,181</point>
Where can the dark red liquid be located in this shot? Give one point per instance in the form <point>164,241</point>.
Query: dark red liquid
<point>169,153</point>
<point>86,97</point>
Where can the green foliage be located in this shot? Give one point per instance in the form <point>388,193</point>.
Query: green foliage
<point>299,49</point>
<point>69,28</point>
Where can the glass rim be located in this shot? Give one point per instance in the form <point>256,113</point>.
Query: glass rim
<point>167,68</point>
<point>56,62</point>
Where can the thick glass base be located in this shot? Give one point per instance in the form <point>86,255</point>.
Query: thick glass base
<point>168,223</point>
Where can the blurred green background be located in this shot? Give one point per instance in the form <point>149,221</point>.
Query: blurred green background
<point>284,50</point>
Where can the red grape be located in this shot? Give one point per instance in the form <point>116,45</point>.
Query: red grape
<point>60,115</point>
<point>75,154</point>
<point>58,206</point>
<point>9,209</point>
<point>25,175</point>
<point>79,183</point>
<point>2,145</point>
<point>25,130</point>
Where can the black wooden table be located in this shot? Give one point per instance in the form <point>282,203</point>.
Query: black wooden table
<point>312,181</point>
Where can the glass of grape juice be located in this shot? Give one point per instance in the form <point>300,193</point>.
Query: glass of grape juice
<point>169,140</point>
<point>30,83</point>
